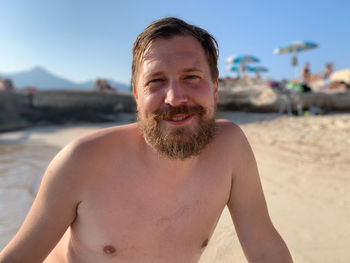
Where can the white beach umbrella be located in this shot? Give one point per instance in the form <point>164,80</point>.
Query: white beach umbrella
<point>294,48</point>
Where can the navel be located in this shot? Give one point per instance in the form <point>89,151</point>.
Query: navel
<point>109,251</point>
<point>205,243</point>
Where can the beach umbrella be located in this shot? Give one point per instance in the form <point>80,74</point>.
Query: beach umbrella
<point>258,69</point>
<point>239,68</point>
<point>294,48</point>
<point>242,59</point>
<point>239,62</point>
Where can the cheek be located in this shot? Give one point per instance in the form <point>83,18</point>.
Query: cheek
<point>204,90</point>
<point>148,104</point>
<point>204,97</point>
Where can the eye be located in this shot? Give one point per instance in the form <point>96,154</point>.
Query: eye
<point>156,80</point>
<point>191,77</point>
<point>155,84</point>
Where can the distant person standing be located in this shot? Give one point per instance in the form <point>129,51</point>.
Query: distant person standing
<point>327,71</point>
<point>306,73</point>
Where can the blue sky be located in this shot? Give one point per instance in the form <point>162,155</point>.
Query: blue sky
<point>85,39</point>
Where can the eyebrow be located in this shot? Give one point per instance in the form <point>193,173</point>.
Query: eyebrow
<point>155,74</point>
<point>160,73</point>
<point>192,70</point>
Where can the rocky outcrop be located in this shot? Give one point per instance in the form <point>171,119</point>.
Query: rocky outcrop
<point>19,110</point>
<point>258,96</point>
<point>270,101</point>
<point>6,85</point>
<point>248,100</point>
<point>13,108</point>
<point>329,101</point>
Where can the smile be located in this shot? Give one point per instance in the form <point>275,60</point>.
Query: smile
<point>179,119</point>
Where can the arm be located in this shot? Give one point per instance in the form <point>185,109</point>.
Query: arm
<point>259,239</point>
<point>52,212</point>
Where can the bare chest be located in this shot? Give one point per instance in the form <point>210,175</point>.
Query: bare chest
<point>137,215</point>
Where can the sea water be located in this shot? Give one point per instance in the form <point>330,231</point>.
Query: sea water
<point>21,168</point>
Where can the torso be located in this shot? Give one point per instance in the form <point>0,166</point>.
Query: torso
<point>133,211</point>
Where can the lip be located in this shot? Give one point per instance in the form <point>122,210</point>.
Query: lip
<point>181,122</point>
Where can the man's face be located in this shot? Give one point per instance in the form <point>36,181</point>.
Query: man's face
<point>175,97</point>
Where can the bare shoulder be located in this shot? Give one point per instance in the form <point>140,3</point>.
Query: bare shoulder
<point>230,132</point>
<point>232,139</point>
<point>104,140</point>
<point>113,136</point>
<point>86,155</point>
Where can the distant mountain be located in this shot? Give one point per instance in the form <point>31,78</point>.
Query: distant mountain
<point>45,80</point>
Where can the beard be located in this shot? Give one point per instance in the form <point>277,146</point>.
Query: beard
<point>182,142</point>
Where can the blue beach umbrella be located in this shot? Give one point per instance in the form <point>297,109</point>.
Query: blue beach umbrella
<point>237,67</point>
<point>258,69</point>
<point>242,59</point>
<point>239,62</point>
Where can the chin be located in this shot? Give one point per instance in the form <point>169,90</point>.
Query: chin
<point>181,132</point>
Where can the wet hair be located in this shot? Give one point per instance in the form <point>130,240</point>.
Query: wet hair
<point>167,28</point>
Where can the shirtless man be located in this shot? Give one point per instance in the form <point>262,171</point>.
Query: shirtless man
<point>153,191</point>
<point>306,73</point>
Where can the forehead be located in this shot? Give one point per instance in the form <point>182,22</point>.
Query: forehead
<point>178,51</point>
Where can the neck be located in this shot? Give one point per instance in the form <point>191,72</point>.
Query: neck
<point>153,158</point>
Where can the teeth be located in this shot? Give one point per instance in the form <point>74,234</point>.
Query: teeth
<point>178,118</point>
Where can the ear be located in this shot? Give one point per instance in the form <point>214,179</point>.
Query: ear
<point>134,92</point>
<point>216,90</point>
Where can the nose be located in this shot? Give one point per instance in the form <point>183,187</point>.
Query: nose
<point>175,94</point>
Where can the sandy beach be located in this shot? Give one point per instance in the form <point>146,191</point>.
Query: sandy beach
<point>304,164</point>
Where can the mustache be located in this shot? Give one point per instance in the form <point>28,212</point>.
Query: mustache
<point>169,111</point>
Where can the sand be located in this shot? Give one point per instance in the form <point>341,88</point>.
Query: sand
<point>304,164</point>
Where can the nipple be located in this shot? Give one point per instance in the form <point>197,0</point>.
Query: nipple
<point>109,250</point>
<point>205,243</point>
